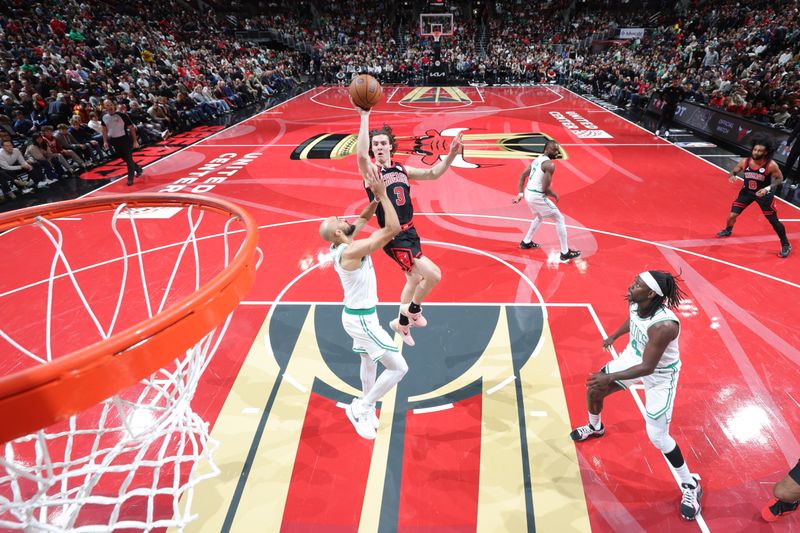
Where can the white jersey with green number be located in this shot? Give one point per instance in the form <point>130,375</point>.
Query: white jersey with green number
<point>639,337</point>
<point>536,174</point>
<point>360,285</point>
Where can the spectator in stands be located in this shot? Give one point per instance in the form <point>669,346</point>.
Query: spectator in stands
<point>67,141</point>
<point>16,167</point>
<point>56,148</point>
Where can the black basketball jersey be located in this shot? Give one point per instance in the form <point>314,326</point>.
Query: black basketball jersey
<point>756,178</point>
<point>399,192</point>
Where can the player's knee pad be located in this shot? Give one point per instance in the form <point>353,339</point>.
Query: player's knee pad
<point>658,432</point>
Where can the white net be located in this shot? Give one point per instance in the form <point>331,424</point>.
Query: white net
<point>132,461</point>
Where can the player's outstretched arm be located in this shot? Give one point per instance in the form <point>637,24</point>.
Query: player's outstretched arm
<point>622,330</point>
<point>735,170</point>
<point>521,184</point>
<point>439,168</point>
<point>365,165</point>
<point>363,247</point>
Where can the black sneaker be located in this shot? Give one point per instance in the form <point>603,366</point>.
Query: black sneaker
<point>130,180</point>
<point>727,232</point>
<point>777,508</point>
<point>785,250</point>
<point>587,432</point>
<point>690,502</point>
<point>139,171</point>
<point>569,256</point>
<point>528,245</point>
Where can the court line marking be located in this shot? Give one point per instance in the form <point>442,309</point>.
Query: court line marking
<point>435,214</point>
<point>466,143</point>
<point>636,398</point>
<point>500,385</point>
<point>671,144</point>
<point>629,237</point>
<point>538,413</point>
<point>445,109</point>
<point>435,408</point>
<point>296,384</point>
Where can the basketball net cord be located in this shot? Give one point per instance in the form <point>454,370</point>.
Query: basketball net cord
<point>134,460</point>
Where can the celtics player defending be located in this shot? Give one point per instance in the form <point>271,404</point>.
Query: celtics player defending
<point>539,180</point>
<point>652,355</point>
<point>422,274</point>
<point>352,261</point>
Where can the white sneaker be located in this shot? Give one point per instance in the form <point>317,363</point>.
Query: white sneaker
<point>50,181</point>
<point>359,417</point>
<point>690,502</point>
<point>373,418</point>
<point>42,184</point>
<point>27,190</point>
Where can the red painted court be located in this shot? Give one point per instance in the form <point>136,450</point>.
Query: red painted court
<point>290,459</point>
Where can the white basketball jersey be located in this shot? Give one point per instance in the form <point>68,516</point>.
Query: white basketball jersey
<point>536,174</point>
<point>360,285</point>
<point>639,337</point>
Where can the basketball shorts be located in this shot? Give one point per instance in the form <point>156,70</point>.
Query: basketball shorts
<point>368,336</point>
<point>541,205</point>
<point>405,248</point>
<point>794,473</point>
<point>659,387</point>
<point>747,197</point>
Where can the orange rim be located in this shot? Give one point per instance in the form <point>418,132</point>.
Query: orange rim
<point>37,397</point>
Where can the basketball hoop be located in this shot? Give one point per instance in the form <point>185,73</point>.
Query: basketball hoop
<point>97,431</point>
<point>436,35</point>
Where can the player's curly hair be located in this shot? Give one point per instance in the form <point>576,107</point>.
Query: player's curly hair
<point>669,286</point>
<point>385,130</point>
<point>762,139</point>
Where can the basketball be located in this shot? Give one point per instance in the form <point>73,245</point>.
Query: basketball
<point>365,91</point>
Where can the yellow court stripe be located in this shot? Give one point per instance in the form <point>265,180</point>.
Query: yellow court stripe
<point>501,497</point>
<point>234,430</point>
<point>559,503</point>
<point>373,495</point>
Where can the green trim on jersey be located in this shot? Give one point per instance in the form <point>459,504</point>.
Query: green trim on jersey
<point>670,398</point>
<point>350,311</point>
<point>375,339</point>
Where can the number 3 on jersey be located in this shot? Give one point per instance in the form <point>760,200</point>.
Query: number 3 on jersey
<point>399,195</point>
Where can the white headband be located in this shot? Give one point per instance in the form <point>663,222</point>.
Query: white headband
<point>651,282</point>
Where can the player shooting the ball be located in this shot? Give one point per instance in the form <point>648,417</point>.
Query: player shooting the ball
<point>421,273</point>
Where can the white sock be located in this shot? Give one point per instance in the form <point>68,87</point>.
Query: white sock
<point>685,475</point>
<point>396,368</point>
<point>369,370</point>
<point>561,229</point>
<point>537,220</point>
<point>594,420</point>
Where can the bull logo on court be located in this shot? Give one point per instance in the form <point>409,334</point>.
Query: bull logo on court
<point>434,146</point>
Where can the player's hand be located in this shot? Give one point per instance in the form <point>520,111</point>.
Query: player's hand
<point>598,380</point>
<point>732,178</point>
<point>456,145</point>
<point>762,192</point>
<point>517,199</point>
<point>361,110</point>
<point>136,144</point>
<point>375,183</point>
<point>607,343</point>
<point>555,197</point>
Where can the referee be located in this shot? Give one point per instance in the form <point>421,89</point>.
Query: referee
<point>119,132</point>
